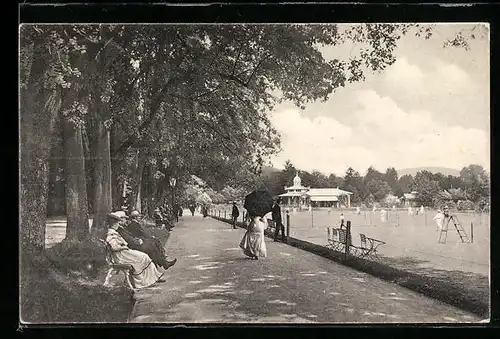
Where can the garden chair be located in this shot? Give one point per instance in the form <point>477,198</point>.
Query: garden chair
<point>115,268</point>
<point>333,242</point>
<point>369,246</point>
<point>343,239</point>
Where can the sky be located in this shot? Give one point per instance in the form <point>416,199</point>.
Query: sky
<point>430,108</point>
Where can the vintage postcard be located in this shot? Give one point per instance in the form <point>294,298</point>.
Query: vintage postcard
<point>254,173</point>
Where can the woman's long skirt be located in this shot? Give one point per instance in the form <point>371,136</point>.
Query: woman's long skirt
<point>145,272</point>
<point>253,244</point>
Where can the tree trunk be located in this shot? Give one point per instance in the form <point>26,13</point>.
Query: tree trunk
<point>36,129</point>
<point>117,192</point>
<point>102,179</point>
<point>88,146</point>
<point>138,205</point>
<point>53,206</point>
<point>137,178</point>
<point>76,184</point>
<point>118,170</point>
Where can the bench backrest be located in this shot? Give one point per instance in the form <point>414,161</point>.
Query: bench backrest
<point>362,237</point>
<point>334,234</point>
<point>342,236</point>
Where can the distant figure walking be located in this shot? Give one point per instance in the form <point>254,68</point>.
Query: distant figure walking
<point>205,211</point>
<point>235,214</point>
<point>374,209</point>
<point>341,220</point>
<point>439,218</point>
<point>410,211</point>
<point>358,210</point>
<point>253,244</point>
<point>422,209</point>
<point>192,209</point>
<point>310,208</point>
<point>276,215</point>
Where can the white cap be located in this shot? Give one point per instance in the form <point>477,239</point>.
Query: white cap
<point>120,214</point>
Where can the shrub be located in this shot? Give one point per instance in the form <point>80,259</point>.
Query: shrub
<point>465,205</point>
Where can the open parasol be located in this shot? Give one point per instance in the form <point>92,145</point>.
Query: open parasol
<point>258,203</point>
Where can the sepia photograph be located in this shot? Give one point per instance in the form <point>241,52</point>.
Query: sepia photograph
<point>333,173</point>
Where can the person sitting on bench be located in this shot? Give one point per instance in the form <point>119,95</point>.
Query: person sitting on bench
<point>144,274</point>
<point>144,243</point>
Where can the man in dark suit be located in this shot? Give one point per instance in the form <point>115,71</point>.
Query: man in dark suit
<point>276,214</point>
<point>138,239</point>
<point>235,214</point>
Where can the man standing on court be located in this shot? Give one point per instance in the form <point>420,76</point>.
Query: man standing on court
<point>276,214</point>
<point>235,214</point>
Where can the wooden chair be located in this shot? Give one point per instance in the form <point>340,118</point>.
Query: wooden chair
<point>343,240</point>
<point>333,241</point>
<point>369,246</point>
<point>115,268</point>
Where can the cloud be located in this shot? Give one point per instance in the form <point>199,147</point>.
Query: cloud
<point>404,72</point>
<point>384,135</point>
<point>437,78</point>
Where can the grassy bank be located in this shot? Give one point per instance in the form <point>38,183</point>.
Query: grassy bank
<point>63,284</point>
<point>468,291</point>
<point>50,294</point>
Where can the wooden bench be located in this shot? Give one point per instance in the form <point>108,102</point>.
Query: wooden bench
<point>369,246</point>
<point>115,268</point>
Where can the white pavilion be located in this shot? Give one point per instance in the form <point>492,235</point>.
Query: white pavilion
<point>300,196</point>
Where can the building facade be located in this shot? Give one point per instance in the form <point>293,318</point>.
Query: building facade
<point>301,196</point>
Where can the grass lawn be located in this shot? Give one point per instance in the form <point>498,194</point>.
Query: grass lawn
<point>454,272</point>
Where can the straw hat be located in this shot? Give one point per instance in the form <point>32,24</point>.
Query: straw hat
<point>114,216</point>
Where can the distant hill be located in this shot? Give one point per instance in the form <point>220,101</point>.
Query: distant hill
<point>444,170</point>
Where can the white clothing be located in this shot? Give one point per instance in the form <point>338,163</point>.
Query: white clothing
<point>253,243</point>
<point>439,218</point>
<point>145,272</point>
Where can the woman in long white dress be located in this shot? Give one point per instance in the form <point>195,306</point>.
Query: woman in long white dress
<point>253,243</point>
<point>144,272</point>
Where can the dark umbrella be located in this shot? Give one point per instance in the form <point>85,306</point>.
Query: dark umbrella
<point>258,203</point>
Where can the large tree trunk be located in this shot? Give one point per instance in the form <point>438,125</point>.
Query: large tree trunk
<point>76,184</point>
<point>102,179</point>
<point>56,188</point>
<point>118,170</point>
<point>88,146</point>
<point>137,178</point>
<point>117,192</point>
<point>37,126</point>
